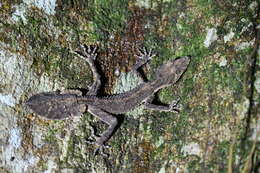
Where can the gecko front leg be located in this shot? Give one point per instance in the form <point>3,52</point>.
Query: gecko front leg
<point>89,54</point>
<point>172,107</point>
<point>144,57</point>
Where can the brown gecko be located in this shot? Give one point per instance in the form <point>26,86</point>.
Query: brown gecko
<point>55,105</point>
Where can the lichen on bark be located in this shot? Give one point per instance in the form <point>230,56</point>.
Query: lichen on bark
<point>217,129</point>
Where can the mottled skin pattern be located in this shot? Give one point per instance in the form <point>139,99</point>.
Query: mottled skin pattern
<point>55,105</point>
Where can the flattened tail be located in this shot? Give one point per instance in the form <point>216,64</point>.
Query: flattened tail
<point>55,106</point>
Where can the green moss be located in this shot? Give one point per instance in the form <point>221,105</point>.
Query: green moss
<point>109,18</point>
<point>210,94</point>
<point>195,166</point>
<point>50,137</point>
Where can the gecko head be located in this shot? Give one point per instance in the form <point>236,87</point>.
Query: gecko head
<point>171,71</point>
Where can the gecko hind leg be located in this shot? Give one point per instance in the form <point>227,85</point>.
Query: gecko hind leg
<point>110,120</point>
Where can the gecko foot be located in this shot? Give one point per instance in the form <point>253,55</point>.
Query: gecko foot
<point>174,106</point>
<point>98,141</point>
<point>88,52</point>
<point>145,55</point>
<point>100,149</point>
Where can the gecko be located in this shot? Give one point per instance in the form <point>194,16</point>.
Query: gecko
<point>58,105</point>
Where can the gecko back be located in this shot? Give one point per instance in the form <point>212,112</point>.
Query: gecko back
<point>53,105</point>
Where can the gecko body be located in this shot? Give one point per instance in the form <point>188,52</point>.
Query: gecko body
<point>55,105</point>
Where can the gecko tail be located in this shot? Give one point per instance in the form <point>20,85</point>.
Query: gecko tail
<point>53,105</point>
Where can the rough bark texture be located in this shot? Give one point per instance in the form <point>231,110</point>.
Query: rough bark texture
<point>217,129</point>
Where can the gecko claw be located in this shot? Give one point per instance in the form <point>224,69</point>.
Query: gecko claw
<point>97,140</point>
<point>100,149</point>
<point>174,106</point>
<point>93,137</point>
<point>145,55</point>
<point>88,52</point>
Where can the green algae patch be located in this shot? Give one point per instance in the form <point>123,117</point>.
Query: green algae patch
<point>213,129</point>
